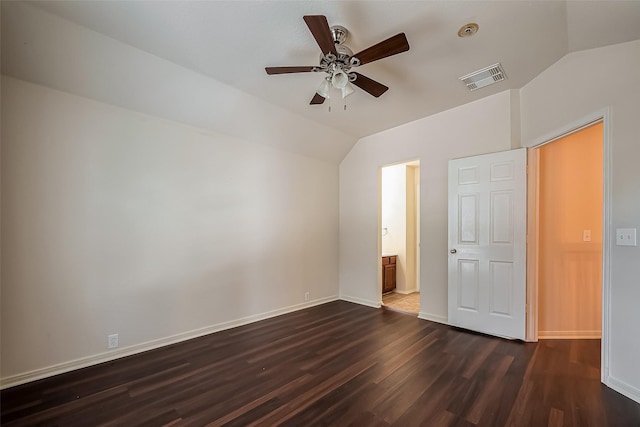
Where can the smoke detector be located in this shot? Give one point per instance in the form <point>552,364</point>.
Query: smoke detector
<point>484,77</point>
<point>468,30</point>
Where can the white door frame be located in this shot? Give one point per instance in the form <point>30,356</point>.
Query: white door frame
<point>532,233</point>
<point>380,230</point>
<point>417,194</point>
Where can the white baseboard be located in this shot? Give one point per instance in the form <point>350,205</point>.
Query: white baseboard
<point>83,362</point>
<point>558,335</point>
<point>368,303</point>
<point>407,292</point>
<point>433,317</point>
<point>623,388</point>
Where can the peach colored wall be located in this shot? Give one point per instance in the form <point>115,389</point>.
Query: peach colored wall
<point>570,272</point>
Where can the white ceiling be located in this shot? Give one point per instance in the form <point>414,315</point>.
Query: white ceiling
<point>232,41</point>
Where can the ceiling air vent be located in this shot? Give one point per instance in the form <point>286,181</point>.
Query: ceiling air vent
<point>485,77</point>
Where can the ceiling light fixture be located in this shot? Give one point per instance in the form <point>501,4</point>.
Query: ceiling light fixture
<point>347,90</point>
<point>338,75</point>
<point>337,79</point>
<point>468,30</point>
<point>338,66</point>
<point>325,88</point>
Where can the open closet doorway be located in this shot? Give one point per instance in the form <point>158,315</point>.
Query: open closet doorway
<point>400,236</point>
<point>567,250</point>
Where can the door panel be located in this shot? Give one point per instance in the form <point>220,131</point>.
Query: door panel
<point>487,235</point>
<point>468,219</point>
<point>468,284</point>
<point>501,217</point>
<point>501,295</point>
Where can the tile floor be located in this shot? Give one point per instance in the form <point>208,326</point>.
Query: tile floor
<point>409,303</point>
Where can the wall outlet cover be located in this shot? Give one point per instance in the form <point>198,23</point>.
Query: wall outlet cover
<point>626,237</point>
<point>112,341</point>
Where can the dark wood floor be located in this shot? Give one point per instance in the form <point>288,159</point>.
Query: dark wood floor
<point>336,364</point>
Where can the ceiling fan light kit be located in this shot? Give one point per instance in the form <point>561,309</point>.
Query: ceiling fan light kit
<point>347,90</point>
<point>325,88</point>
<point>339,78</point>
<point>337,59</point>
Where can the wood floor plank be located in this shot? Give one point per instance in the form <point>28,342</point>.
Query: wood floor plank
<point>556,418</point>
<point>336,364</point>
<point>432,403</point>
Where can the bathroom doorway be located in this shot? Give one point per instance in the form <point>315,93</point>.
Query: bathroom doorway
<point>400,237</point>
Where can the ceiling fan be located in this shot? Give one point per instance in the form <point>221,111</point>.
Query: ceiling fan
<point>337,59</point>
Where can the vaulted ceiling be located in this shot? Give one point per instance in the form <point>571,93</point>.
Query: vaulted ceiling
<point>232,41</point>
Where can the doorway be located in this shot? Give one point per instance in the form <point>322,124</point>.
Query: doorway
<point>568,250</point>
<point>400,236</point>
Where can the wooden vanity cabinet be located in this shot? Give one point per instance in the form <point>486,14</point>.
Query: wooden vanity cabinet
<point>388,273</point>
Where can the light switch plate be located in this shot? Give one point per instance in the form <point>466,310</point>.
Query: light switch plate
<point>626,237</point>
<point>586,235</point>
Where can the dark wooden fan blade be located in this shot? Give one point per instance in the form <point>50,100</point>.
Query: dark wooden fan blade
<point>286,70</point>
<point>317,99</point>
<point>373,87</point>
<point>391,46</point>
<point>319,27</point>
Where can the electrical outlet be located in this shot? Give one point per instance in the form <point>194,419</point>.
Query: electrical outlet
<point>626,237</point>
<point>306,296</point>
<point>112,341</point>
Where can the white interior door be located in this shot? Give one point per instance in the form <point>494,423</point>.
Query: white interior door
<point>487,243</point>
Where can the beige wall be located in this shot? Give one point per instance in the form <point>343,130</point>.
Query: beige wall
<point>119,222</point>
<point>570,269</point>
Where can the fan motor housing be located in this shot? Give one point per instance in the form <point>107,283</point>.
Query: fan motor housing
<point>340,34</point>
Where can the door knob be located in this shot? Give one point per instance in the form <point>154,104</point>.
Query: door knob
<point>453,251</point>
